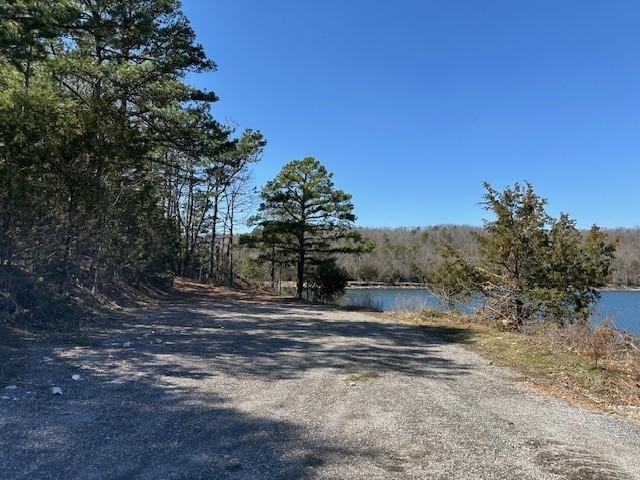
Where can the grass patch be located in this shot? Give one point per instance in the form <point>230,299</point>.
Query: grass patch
<point>544,362</point>
<point>362,377</point>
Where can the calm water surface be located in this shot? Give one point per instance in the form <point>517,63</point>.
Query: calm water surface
<point>622,307</point>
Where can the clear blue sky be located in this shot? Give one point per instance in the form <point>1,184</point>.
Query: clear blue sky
<point>413,103</point>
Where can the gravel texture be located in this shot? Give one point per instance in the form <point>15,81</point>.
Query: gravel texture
<point>216,386</point>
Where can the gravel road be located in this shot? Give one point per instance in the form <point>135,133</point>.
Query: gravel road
<point>212,386</point>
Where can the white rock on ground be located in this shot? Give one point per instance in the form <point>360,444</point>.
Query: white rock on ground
<point>126,344</point>
<point>75,377</point>
<point>56,391</point>
<point>11,387</point>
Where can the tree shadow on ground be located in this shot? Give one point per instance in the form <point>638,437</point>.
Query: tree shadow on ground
<point>139,430</point>
<point>446,333</point>
<point>278,341</point>
<point>140,411</point>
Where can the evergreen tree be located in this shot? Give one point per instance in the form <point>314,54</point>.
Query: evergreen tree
<point>99,135</point>
<point>532,267</point>
<point>307,215</point>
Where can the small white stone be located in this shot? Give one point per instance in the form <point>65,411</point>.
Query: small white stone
<point>352,384</point>
<point>75,377</point>
<point>4,397</point>
<point>11,387</point>
<point>56,391</point>
<point>126,344</point>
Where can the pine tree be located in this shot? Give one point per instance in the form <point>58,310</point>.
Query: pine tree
<point>308,216</point>
<point>97,128</point>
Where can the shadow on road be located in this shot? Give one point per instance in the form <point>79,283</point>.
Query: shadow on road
<point>126,418</point>
<point>136,429</point>
<point>284,340</point>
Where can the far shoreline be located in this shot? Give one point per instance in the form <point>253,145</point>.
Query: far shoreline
<point>418,286</point>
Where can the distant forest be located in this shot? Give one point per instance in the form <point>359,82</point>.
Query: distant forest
<point>410,254</point>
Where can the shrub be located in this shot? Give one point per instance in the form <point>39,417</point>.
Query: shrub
<point>596,343</point>
<point>327,280</point>
<point>25,301</point>
<point>532,267</point>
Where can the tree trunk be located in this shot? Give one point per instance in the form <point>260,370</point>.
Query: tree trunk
<point>273,269</point>
<point>230,247</point>
<point>67,243</point>
<point>186,259</point>
<point>212,250</point>
<point>301,255</point>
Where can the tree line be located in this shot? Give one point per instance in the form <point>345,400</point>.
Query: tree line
<point>115,171</point>
<point>113,167</point>
<point>410,254</point>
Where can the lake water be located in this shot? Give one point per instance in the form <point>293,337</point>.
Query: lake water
<point>623,307</point>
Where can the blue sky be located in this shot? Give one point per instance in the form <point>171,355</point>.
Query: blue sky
<point>413,103</point>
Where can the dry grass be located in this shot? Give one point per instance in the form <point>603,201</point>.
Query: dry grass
<point>588,367</point>
<point>362,377</point>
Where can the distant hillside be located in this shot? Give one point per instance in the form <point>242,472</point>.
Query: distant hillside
<point>408,254</point>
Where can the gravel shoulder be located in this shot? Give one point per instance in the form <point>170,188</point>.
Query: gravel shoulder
<point>219,385</point>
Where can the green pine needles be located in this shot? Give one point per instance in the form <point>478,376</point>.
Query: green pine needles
<point>532,267</point>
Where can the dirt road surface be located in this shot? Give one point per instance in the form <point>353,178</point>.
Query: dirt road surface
<point>212,386</point>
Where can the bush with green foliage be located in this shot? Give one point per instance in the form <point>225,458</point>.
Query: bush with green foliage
<point>26,301</point>
<point>454,280</point>
<point>327,280</point>
<point>532,267</point>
